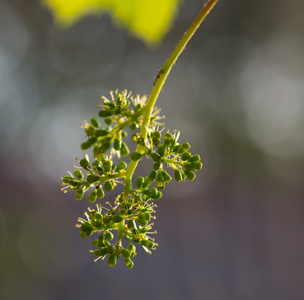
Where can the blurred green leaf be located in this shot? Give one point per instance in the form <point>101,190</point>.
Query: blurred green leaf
<point>149,20</point>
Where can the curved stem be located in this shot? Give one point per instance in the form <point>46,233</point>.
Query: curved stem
<point>159,82</point>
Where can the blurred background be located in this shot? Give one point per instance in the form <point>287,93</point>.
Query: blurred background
<point>236,94</point>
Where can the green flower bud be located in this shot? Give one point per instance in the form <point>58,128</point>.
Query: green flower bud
<point>105,113</point>
<point>79,195</point>
<point>85,234</point>
<point>92,178</point>
<point>117,144</point>
<point>137,107</point>
<point>198,166</point>
<point>133,126</point>
<point>155,141</point>
<point>124,150</point>
<point>135,156</point>
<point>129,263</point>
<point>152,175</point>
<point>93,196</point>
<point>158,195</point>
<point>156,165</point>
<point>183,148</point>
<point>108,121</point>
<point>142,222</point>
<point>97,252</point>
<point>161,150</point>
<point>68,180</point>
<point>86,227</point>
<point>123,134</point>
<point>155,157</point>
<point>108,186</point>
<point>194,158</point>
<point>147,243</point>
<point>186,156</point>
<point>97,243</point>
<point>166,176</point>
<point>89,130</point>
<point>106,144</point>
<point>88,143</point>
<point>100,193</point>
<point>101,132</point>
<point>151,192</point>
<point>131,248</point>
<point>120,166</point>
<point>78,174</point>
<point>160,185</point>
<point>188,167</point>
<point>97,225</point>
<point>131,224</point>
<point>146,183</point>
<point>139,182</point>
<point>178,175</point>
<point>167,138</point>
<point>125,253</point>
<point>109,236</point>
<point>156,134</point>
<point>190,175</point>
<point>94,122</point>
<point>112,260</point>
<point>107,165</point>
<point>110,249</point>
<point>84,163</point>
<point>118,251</point>
<point>117,219</point>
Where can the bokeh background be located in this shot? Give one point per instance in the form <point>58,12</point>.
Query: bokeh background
<point>236,94</point>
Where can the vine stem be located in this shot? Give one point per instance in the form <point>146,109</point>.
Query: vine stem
<point>158,84</point>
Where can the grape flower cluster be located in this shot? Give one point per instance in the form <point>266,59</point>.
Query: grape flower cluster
<point>130,214</point>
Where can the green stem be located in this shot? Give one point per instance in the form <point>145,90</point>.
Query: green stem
<point>120,231</point>
<point>158,84</point>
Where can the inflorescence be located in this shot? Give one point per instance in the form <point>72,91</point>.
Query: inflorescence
<point>131,212</point>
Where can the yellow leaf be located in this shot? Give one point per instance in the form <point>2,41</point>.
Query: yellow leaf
<point>147,19</point>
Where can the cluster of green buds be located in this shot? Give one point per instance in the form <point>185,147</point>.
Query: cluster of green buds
<point>130,214</point>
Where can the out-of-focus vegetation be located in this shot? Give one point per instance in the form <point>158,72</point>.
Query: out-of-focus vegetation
<point>148,20</point>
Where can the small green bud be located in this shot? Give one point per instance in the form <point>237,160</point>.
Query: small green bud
<point>147,216</point>
<point>86,227</point>
<point>186,156</point>
<point>131,248</point>
<point>125,253</point>
<point>167,138</point>
<point>139,182</point>
<point>109,236</point>
<point>158,195</point>
<point>156,165</point>
<point>89,130</point>
<point>155,157</point>
<point>84,163</point>
<point>198,166</point>
<point>151,192</point>
<point>79,195</point>
<point>160,185</point>
<point>92,178</point>
<point>135,156</point>
<point>188,167</point>
<point>100,193</point>
<point>94,122</point>
<point>101,132</point>
<point>155,141</point>
<point>123,134</point>
<point>97,243</point>
<point>105,113</point>
<point>78,174</point>
<point>97,252</point>
<point>117,144</point>
<point>178,175</point>
<point>110,249</point>
<point>142,222</point>
<point>152,175</point>
<point>93,196</point>
<point>133,126</point>
<point>129,263</point>
<point>166,176</point>
<point>112,260</point>
<point>124,150</point>
<point>88,143</point>
<point>147,243</point>
<point>120,166</point>
<point>68,180</point>
<point>131,224</point>
<point>107,165</point>
<point>190,175</point>
<point>183,148</point>
<point>117,219</point>
<point>156,134</point>
<point>108,186</point>
<point>85,234</point>
<point>146,183</point>
<point>108,121</point>
<point>194,158</point>
<point>161,150</point>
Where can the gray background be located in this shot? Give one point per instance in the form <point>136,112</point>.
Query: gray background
<point>236,94</point>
